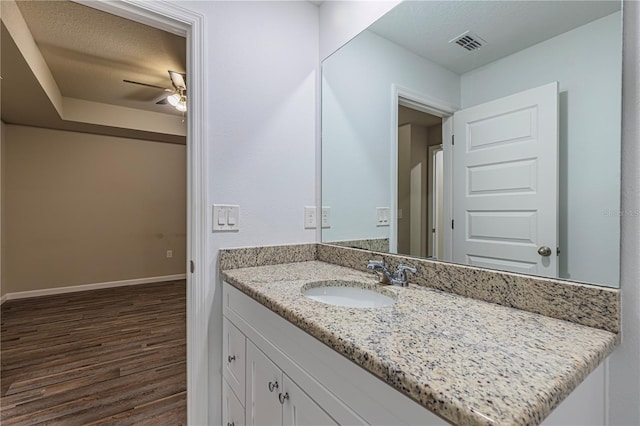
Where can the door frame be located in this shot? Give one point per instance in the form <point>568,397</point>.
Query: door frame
<point>409,98</point>
<point>177,20</point>
<point>431,194</point>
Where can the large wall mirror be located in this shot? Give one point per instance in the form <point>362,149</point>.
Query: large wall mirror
<point>480,132</point>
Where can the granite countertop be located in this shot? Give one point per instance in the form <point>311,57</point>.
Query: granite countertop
<point>469,361</point>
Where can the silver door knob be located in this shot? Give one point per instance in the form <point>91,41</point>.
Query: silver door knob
<point>544,251</point>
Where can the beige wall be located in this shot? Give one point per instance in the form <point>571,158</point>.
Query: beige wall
<point>82,209</point>
<point>2,143</point>
<point>413,143</point>
<point>404,167</point>
<point>434,135</point>
<point>412,150</point>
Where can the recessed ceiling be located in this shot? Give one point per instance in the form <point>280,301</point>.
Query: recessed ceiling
<point>90,52</point>
<point>63,64</point>
<point>427,27</point>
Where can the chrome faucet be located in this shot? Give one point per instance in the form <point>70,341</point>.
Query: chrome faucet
<point>397,278</point>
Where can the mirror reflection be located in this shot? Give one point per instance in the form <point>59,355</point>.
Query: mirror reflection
<point>479,132</point>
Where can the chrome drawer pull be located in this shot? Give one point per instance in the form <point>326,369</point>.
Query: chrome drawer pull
<point>231,358</point>
<point>283,398</point>
<point>273,386</point>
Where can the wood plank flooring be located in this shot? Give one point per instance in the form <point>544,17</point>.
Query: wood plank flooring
<point>102,357</point>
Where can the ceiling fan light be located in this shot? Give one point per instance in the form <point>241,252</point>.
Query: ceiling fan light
<point>174,99</point>
<point>181,106</point>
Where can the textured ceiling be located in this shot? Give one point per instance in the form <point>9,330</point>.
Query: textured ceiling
<point>25,102</point>
<point>90,52</point>
<point>425,27</point>
<point>411,116</point>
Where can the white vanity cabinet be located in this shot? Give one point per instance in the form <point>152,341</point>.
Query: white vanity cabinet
<point>233,387</point>
<point>233,351</point>
<point>292,378</point>
<point>233,412</point>
<point>274,399</point>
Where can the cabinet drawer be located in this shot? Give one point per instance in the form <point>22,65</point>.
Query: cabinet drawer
<point>232,409</point>
<point>234,355</point>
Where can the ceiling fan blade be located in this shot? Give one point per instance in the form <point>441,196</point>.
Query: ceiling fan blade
<point>178,80</point>
<point>147,85</point>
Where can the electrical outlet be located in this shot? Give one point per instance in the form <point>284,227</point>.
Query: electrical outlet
<point>326,217</point>
<point>309,217</point>
<point>169,254</point>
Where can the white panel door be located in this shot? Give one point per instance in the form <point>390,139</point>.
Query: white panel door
<point>264,383</point>
<point>298,409</point>
<point>505,183</point>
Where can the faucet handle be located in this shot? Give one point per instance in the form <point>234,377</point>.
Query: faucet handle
<point>375,264</point>
<point>401,274</point>
<point>402,268</point>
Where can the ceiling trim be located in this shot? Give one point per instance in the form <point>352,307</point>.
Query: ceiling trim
<point>147,13</point>
<point>19,31</point>
<point>83,111</point>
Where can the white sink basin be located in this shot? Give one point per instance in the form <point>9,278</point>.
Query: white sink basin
<point>348,293</point>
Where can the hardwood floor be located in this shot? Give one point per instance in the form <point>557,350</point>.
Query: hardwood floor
<point>103,357</point>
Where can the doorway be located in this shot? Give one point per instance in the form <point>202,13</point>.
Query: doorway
<point>419,135</point>
<point>181,21</point>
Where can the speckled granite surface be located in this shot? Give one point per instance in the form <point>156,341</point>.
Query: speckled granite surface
<point>471,362</point>
<point>580,303</point>
<point>267,255</point>
<point>374,244</point>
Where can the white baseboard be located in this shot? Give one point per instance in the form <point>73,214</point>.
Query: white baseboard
<point>85,287</point>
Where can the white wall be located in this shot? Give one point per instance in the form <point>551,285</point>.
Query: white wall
<point>262,65</point>
<point>624,363</point>
<point>587,62</point>
<point>340,21</point>
<point>356,114</point>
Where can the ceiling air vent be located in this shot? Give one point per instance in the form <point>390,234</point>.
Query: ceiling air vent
<point>469,41</point>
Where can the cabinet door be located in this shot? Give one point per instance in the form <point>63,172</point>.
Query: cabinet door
<point>298,409</point>
<point>233,352</point>
<point>264,383</point>
<point>232,410</point>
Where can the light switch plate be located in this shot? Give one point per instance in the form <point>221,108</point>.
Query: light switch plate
<point>382,216</point>
<point>310,217</point>
<point>226,217</point>
<point>325,217</point>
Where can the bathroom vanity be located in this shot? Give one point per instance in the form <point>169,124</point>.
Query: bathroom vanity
<point>432,357</point>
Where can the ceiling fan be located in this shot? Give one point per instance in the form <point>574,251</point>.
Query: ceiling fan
<point>177,97</point>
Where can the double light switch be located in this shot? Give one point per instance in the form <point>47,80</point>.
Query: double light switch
<point>226,217</point>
